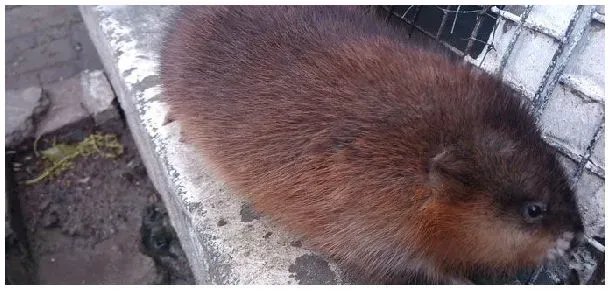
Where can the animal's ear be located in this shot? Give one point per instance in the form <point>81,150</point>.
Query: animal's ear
<point>450,166</point>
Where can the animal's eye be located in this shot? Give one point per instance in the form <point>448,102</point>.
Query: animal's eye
<point>533,211</point>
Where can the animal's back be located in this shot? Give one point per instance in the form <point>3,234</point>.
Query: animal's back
<point>329,123</point>
<point>290,78</point>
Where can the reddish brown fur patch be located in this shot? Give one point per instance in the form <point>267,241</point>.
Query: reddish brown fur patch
<point>328,123</point>
<point>458,239</point>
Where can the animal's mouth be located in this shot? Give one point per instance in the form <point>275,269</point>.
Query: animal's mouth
<point>562,245</point>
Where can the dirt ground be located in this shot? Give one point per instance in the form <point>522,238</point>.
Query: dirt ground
<point>101,222</point>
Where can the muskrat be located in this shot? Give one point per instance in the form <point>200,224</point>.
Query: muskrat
<point>394,160</point>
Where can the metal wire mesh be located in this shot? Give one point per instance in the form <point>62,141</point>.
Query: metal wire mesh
<point>464,29</point>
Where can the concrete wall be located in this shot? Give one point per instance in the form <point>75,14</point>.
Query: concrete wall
<point>545,53</point>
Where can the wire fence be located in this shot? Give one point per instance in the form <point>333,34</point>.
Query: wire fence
<point>462,29</point>
<point>465,30</point>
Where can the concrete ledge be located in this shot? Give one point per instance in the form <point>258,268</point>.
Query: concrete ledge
<point>224,241</point>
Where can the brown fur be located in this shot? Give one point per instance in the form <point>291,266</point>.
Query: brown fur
<point>393,159</point>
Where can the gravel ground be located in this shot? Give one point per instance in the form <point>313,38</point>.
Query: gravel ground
<point>101,222</point>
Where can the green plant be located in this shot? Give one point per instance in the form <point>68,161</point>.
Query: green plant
<point>60,157</point>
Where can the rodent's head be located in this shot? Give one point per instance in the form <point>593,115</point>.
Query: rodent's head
<point>501,201</point>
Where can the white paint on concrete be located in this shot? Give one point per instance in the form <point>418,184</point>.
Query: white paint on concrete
<point>586,68</point>
<point>585,87</point>
<point>551,19</point>
<point>98,97</point>
<point>529,60</point>
<point>235,253</point>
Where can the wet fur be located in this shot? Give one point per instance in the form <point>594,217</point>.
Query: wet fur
<point>385,155</point>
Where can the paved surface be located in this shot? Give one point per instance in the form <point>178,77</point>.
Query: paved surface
<point>45,44</point>
<point>49,55</point>
<point>22,108</point>
<point>84,227</point>
<point>54,80</point>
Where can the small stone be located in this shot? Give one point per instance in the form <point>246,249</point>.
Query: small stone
<point>84,180</point>
<point>248,213</point>
<point>221,222</point>
<point>50,220</point>
<point>44,204</point>
<point>98,96</point>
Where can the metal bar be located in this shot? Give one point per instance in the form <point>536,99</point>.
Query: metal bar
<point>560,60</point>
<point>415,19</point>
<point>511,44</point>
<point>587,156</point>
<point>443,21</point>
<point>457,12</point>
<point>598,252</point>
<point>587,91</point>
<point>489,45</point>
<point>507,15</point>
<point>475,30</point>
<point>406,12</point>
<point>445,44</point>
<point>596,245</point>
<point>535,275</point>
<point>563,150</point>
<point>533,26</point>
<point>595,169</point>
